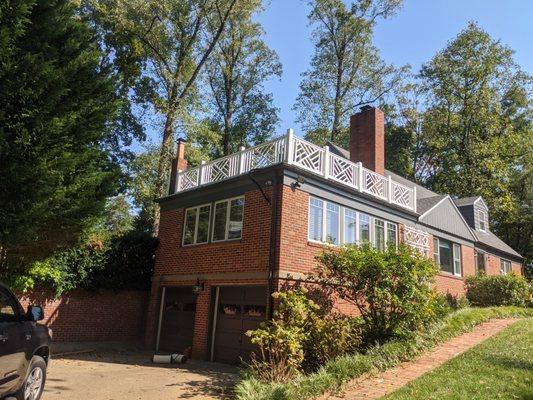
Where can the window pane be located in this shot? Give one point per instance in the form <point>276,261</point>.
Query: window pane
<point>445,253</point>
<point>315,219</point>
<point>219,230</point>
<point>480,262</point>
<point>190,222</point>
<point>379,229</point>
<point>457,259</point>
<point>332,223</point>
<point>364,228</point>
<point>391,234</point>
<point>349,226</point>
<point>7,311</point>
<point>203,224</point>
<point>235,218</point>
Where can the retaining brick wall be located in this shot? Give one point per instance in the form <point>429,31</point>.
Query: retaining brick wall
<point>82,316</point>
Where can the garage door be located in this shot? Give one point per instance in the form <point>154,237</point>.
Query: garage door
<point>177,325</point>
<point>239,309</point>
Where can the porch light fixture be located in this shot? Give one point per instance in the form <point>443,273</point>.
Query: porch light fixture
<point>300,180</point>
<point>199,287</point>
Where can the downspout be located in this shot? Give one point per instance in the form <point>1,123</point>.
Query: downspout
<point>273,243</point>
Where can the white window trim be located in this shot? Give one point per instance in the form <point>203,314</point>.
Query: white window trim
<point>454,247</point>
<point>503,261</point>
<point>195,235</point>
<point>436,251</point>
<point>387,223</point>
<point>341,229</point>
<point>228,211</point>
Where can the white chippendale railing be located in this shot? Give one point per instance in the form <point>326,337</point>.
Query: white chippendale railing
<point>416,238</point>
<point>303,154</point>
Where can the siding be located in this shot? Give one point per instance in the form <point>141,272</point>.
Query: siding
<point>445,217</point>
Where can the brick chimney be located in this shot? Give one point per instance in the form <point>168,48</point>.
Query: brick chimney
<point>179,163</point>
<point>367,138</point>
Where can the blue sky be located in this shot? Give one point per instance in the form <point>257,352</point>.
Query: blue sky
<point>413,36</point>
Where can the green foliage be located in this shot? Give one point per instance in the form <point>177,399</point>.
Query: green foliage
<point>391,289</point>
<point>497,290</point>
<point>59,141</point>
<point>346,70</point>
<point>125,263</point>
<point>339,371</point>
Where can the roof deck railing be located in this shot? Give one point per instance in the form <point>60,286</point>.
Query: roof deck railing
<point>292,150</point>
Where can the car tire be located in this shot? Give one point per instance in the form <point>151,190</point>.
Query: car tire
<point>33,385</point>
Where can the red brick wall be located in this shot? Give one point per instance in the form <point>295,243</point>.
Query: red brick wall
<point>247,254</point>
<point>81,316</point>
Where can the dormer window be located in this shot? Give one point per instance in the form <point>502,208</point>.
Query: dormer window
<point>483,223</point>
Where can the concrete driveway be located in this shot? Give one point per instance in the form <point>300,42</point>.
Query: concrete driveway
<point>121,375</point>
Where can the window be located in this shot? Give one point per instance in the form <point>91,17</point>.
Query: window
<point>392,239</point>
<point>8,312</point>
<point>227,224</point>
<point>364,228</point>
<point>505,267</point>
<point>316,213</point>
<point>196,226</point>
<point>350,226</point>
<point>331,223</point>
<point>379,234</point>
<point>447,255</point>
<point>482,217</point>
<point>480,262</point>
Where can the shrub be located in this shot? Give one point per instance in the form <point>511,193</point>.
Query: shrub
<point>497,290</point>
<point>391,289</point>
<point>456,302</point>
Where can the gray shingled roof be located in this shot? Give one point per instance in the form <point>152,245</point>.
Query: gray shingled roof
<point>424,204</point>
<point>427,199</point>
<point>465,201</point>
<point>490,239</point>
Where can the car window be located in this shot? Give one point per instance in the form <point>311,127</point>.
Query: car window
<point>8,311</point>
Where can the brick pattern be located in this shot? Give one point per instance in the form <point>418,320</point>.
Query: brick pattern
<point>81,316</point>
<point>374,387</point>
<point>367,139</point>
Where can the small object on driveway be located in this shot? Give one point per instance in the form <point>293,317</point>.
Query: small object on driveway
<point>178,359</point>
<point>162,359</point>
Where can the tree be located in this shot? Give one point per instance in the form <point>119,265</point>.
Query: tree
<point>168,42</point>
<point>59,158</point>
<point>346,70</point>
<point>239,65</point>
<point>477,125</point>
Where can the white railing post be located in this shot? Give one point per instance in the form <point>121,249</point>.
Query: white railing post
<point>414,198</point>
<point>389,189</point>
<point>325,172</point>
<point>241,159</point>
<point>289,145</point>
<point>360,172</point>
<point>201,173</point>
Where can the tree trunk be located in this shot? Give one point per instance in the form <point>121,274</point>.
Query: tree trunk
<point>163,165</point>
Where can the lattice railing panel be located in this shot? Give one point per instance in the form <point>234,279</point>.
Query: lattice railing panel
<point>402,195</point>
<point>187,179</point>
<point>343,170</point>
<point>308,156</point>
<point>220,169</point>
<point>264,155</point>
<point>374,183</point>
<point>416,238</point>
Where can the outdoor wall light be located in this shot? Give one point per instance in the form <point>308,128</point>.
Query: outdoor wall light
<point>300,180</point>
<point>199,287</point>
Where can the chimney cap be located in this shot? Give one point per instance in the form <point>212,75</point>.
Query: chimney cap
<point>366,107</point>
<point>181,140</point>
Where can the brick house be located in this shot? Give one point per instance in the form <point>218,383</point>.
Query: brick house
<point>234,230</point>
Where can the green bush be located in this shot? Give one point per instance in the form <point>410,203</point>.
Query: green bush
<point>391,289</point>
<point>497,290</point>
<point>125,263</point>
<point>339,371</point>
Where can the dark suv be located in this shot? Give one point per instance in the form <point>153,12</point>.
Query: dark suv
<point>24,349</point>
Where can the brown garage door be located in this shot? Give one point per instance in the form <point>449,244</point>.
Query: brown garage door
<point>177,325</point>
<point>240,308</point>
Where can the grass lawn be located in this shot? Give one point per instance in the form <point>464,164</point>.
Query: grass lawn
<point>500,368</point>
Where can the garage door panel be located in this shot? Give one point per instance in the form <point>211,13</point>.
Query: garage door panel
<point>240,309</point>
<point>177,325</point>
